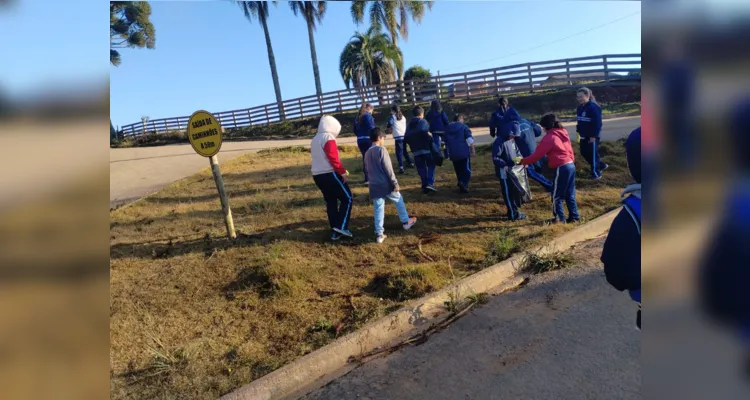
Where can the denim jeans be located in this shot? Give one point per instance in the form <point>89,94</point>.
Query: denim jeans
<point>379,207</point>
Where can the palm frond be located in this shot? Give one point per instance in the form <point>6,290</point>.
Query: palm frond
<point>358,11</point>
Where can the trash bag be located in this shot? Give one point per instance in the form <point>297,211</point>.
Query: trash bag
<point>521,180</point>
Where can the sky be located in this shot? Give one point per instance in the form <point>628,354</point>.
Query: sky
<point>208,56</point>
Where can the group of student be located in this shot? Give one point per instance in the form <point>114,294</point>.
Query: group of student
<point>515,155</point>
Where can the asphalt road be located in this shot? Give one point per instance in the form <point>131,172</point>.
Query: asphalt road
<point>136,172</point>
<point>566,335</point>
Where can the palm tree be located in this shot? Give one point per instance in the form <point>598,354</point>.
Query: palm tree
<point>370,58</point>
<point>384,14</point>
<point>313,12</point>
<point>259,10</point>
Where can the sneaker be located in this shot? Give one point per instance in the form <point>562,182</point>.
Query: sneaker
<point>520,217</point>
<point>335,236</point>
<point>410,165</point>
<point>344,232</point>
<point>410,223</point>
<point>381,238</point>
<point>401,171</point>
<point>596,178</point>
<point>572,220</point>
<point>366,183</point>
<point>604,167</point>
<point>462,188</point>
<point>554,221</point>
<point>431,188</point>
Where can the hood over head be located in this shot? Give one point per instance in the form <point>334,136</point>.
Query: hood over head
<point>633,154</point>
<point>329,124</point>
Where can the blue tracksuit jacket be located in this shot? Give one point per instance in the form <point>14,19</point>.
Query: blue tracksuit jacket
<point>363,127</point>
<point>589,118</point>
<point>455,140</point>
<point>438,120</point>
<point>417,136</point>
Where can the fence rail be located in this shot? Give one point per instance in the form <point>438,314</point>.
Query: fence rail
<point>604,70</point>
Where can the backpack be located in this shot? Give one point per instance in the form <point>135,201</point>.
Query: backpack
<point>632,205</point>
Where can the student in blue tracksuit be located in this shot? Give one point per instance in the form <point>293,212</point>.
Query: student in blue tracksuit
<point>397,127</point>
<point>526,142</point>
<point>589,128</point>
<point>621,255</point>
<point>496,118</point>
<point>420,143</point>
<point>460,145</point>
<point>724,273</point>
<point>504,155</point>
<point>364,123</point>
<point>438,120</point>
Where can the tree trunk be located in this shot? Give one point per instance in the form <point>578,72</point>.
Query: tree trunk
<point>272,63</point>
<point>314,55</point>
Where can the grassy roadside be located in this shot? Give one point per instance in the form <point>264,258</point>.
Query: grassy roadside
<point>620,100</point>
<point>192,315</point>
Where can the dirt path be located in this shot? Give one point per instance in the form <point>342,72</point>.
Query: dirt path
<point>567,335</point>
<point>136,172</point>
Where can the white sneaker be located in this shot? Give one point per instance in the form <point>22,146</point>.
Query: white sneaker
<point>410,223</point>
<point>381,238</point>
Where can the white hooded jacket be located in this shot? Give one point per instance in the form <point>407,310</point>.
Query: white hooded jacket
<point>323,149</point>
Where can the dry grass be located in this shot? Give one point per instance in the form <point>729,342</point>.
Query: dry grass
<point>195,316</point>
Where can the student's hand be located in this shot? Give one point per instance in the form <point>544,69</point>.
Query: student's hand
<point>344,177</point>
<point>517,160</point>
<point>505,168</point>
<point>592,140</point>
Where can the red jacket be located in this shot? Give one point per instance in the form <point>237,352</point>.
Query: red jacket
<point>556,146</point>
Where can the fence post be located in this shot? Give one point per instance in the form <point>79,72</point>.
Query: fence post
<point>166,128</point>
<point>606,70</point>
<point>320,104</point>
<point>468,89</point>
<point>249,117</point>
<point>439,88</point>
<point>179,127</point>
<point>268,119</point>
<point>234,119</point>
<point>497,84</point>
<point>341,107</point>
<point>153,126</point>
<point>413,95</point>
<point>301,113</point>
<point>531,83</point>
<point>567,71</point>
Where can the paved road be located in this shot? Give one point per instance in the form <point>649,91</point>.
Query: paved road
<point>567,335</point>
<point>136,172</point>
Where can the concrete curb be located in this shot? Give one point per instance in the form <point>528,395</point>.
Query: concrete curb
<point>319,366</point>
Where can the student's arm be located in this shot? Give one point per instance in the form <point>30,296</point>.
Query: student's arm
<point>445,119</point>
<point>385,160</point>
<point>621,254</point>
<point>492,125</point>
<point>370,121</point>
<point>596,120</point>
<point>332,153</point>
<point>497,156</point>
<point>541,150</point>
<point>469,140</point>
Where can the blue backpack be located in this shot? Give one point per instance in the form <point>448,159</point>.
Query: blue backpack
<point>632,205</point>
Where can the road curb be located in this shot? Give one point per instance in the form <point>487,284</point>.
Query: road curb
<point>413,318</point>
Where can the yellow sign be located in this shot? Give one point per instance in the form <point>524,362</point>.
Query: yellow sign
<point>204,133</point>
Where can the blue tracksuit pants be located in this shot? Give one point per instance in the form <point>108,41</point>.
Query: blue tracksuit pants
<point>564,190</point>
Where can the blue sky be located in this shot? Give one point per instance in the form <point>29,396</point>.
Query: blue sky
<point>208,56</point>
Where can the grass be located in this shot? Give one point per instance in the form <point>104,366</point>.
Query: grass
<point>616,100</point>
<point>193,315</point>
<point>538,264</point>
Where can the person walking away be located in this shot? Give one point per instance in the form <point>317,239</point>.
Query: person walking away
<point>496,118</point>
<point>364,123</point>
<point>331,177</point>
<point>589,129</point>
<point>504,156</point>
<point>383,185</point>
<point>526,142</point>
<point>438,120</point>
<point>420,142</point>
<point>621,254</point>
<point>557,147</point>
<point>460,145</point>
<point>397,127</point>
<point>724,274</point>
